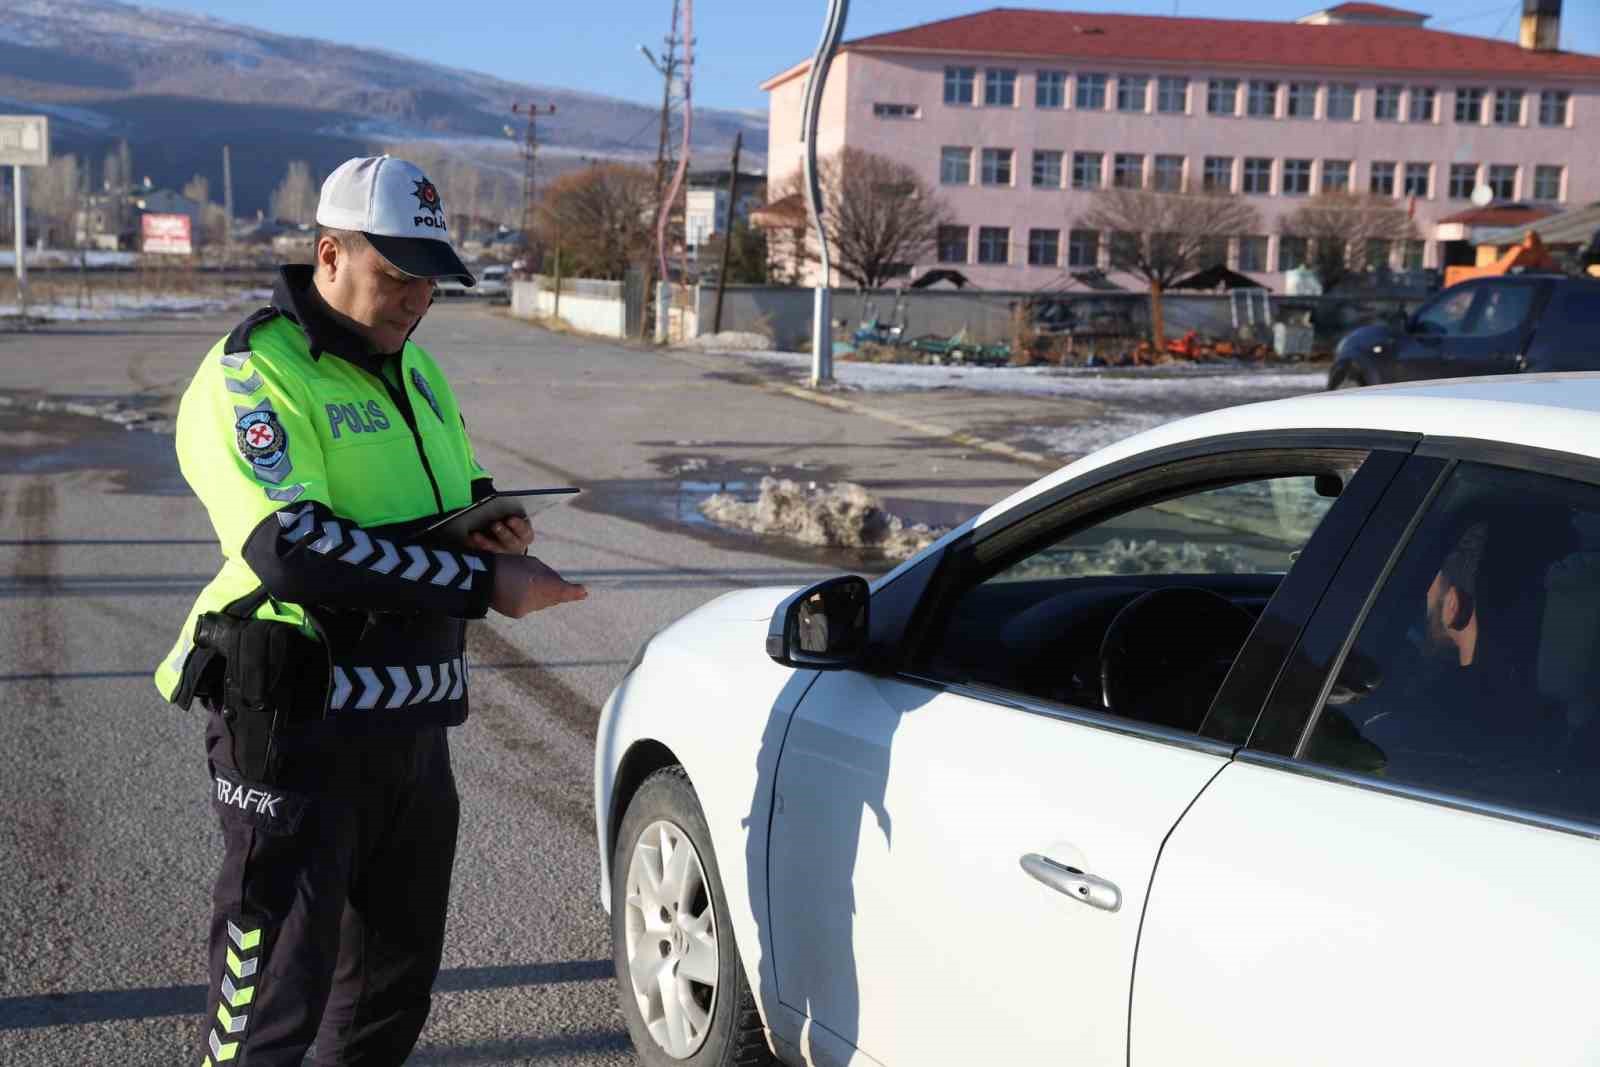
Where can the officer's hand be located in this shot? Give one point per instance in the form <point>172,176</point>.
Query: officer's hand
<point>511,536</point>
<point>523,585</point>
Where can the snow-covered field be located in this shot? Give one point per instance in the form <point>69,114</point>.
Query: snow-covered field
<point>129,305</point>
<point>1127,400</point>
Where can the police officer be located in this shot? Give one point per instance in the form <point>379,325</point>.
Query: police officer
<point>330,647</point>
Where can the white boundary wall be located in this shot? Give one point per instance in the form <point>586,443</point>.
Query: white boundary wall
<point>592,306</point>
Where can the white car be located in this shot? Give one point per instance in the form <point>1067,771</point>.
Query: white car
<point>1269,736</point>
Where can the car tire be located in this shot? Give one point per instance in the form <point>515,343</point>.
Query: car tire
<point>664,846</point>
<point>1349,379</point>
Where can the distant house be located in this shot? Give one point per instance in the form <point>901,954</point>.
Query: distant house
<point>706,205</point>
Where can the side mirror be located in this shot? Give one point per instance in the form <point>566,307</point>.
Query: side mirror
<point>823,627</point>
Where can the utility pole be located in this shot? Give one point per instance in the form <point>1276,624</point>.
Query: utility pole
<point>667,67</point>
<point>727,232</point>
<point>227,197</point>
<point>530,150</point>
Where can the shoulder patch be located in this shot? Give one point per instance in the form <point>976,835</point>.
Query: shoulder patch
<point>419,380</point>
<point>236,348</point>
<point>263,442</point>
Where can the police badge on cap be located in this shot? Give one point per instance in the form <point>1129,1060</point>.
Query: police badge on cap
<point>399,210</point>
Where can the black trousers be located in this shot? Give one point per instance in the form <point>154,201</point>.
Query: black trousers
<point>328,915</point>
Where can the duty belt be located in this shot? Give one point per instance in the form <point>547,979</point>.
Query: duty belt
<point>375,688</point>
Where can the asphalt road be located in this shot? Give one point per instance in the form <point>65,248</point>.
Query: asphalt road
<point>107,843</point>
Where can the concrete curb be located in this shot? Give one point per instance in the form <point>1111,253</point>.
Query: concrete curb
<point>1036,460</point>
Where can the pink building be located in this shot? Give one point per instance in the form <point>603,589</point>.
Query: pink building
<point>1017,116</point>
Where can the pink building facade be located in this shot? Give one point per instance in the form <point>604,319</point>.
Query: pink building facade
<point>1018,117</point>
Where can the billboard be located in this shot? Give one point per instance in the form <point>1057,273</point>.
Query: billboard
<point>24,140</point>
<point>169,234</point>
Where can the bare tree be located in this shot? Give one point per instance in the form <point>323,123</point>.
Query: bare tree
<point>1161,237</point>
<point>55,195</point>
<point>1340,228</point>
<point>601,217</point>
<point>198,189</point>
<point>295,198</point>
<point>880,216</point>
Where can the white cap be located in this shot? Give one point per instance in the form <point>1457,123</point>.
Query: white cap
<point>395,205</point>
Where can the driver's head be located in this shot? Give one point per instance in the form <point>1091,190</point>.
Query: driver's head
<point>1452,600</point>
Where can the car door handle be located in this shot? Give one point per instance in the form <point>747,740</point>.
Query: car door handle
<point>1095,892</point>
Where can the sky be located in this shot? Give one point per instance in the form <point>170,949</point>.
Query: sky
<point>594,46</point>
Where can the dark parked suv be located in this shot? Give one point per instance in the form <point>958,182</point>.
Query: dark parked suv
<point>1500,325</point>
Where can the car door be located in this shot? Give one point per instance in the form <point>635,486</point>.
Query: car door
<point>1400,868</point>
<point>1477,327</point>
<point>961,846</point>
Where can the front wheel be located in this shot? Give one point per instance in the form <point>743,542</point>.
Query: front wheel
<point>1349,379</point>
<point>683,989</point>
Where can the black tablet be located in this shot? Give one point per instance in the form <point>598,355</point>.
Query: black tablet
<point>454,527</point>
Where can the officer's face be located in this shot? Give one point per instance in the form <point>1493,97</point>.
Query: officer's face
<point>383,303</point>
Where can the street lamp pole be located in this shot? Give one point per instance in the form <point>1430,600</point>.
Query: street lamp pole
<point>822,309</point>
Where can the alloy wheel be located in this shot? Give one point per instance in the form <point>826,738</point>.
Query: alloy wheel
<point>671,925</point>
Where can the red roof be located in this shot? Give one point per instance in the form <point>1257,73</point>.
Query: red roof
<point>1505,215</point>
<point>1374,11</point>
<point>1221,43</point>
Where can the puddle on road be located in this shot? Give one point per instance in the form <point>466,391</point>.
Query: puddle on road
<point>135,461</point>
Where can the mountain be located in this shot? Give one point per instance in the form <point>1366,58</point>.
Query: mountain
<point>178,87</point>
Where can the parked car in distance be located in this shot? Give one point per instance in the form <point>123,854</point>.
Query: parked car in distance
<point>1503,325</point>
<point>492,285</point>
<point>1271,735</point>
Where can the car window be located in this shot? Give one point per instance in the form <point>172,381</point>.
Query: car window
<point>1500,309</point>
<point>1447,316</point>
<point>1139,612</point>
<point>1477,670</point>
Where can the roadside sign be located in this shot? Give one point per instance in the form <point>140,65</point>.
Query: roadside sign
<point>167,234</point>
<point>24,140</point>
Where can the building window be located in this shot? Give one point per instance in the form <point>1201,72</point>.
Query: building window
<point>1469,106</point>
<point>953,244</point>
<point>1168,174</point>
<point>996,166</point>
<point>1212,252</point>
<point>1083,248</point>
<point>1386,103</point>
<point>955,166</point>
<point>1172,95</point>
<point>999,88</point>
<point>1508,107</point>
<point>1133,92</point>
<point>1253,253</point>
<point>1302,100</point>
<point>1296,177</point>
<point>1087,170</point>
<point>1262,100</point>
<point>1382,183</point>
<point>1222,96</point>
<point>1341,101</point>
<point>1419,180</point>
<point>994,244</point>
<point>1218,174</point>
<point>1422,106</point>
<point>1553,107</point>
<point>1503,180</point>
<point>1257,175</point>
<point>1044,248</point>
<point>1047,169</point>
<point>1378,251</point>
<point>1411,254</point>
<point>1091,95</point>
<point>958,82</point>
<point>1292,252</point>
<point>1050,90</point>
<point>1127,170</point>
<point>1463,179</point>
<point>1547,182</point>
<point>897,111</point>
<point>1124,250</point>
<point>1335,176</point>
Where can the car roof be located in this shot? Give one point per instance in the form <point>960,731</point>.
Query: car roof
<point>1559,412</point>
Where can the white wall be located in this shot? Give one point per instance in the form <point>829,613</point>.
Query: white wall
<point>591,306</point>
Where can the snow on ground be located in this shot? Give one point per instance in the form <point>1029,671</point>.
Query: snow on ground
<point>841,515</point>
<point>1129,400</point>
<point>126,305</point>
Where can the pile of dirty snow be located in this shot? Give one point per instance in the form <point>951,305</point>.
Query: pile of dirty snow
<point>841,515</point>
<point>731,341</point>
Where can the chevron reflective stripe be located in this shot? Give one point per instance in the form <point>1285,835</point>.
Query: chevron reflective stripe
<point>395,686</point>
<point>419,564</point>
<point>362,549</point>
<point>390,558</point>
<point>449,567</point>
<point>297,525</point>
<point>238,990</point>
<point>289,495</point>
<point>332,537</point>
<point>236,360</point>
<point>249,385</point>
<point>474,566</point>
